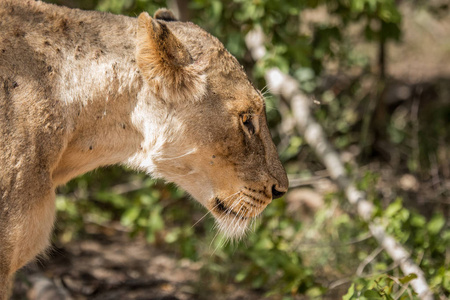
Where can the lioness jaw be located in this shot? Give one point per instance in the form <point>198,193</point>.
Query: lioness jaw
<point>83,89</point>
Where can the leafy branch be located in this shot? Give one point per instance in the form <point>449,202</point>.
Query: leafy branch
<point>287,87</point>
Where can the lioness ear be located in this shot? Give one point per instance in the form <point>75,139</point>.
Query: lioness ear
<point>166,63</point>
<point>165,15</point>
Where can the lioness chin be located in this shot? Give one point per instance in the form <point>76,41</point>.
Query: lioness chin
<point>81,89</point>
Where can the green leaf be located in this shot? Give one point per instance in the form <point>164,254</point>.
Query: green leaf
<point>357,5</point>
<point>436,223</point>
<point>418,220</point>
<point>155,220</point>
<point>372,294</point>
<point>216,9</point>
<point>388,297</point>
<point>393,208</point>
<point>408,278</point>
<point>130,215</point>
<point>172,236</point>
<point>241,276</point>
<point>350,293</point>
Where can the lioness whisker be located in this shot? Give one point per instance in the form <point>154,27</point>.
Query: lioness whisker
<point>232,207</point>
<point>233,222</point>
<point>220,245</point>
<point>237,215</point>
<point>267,95</point>
<point>217,247</point>
<point>220,229</point>
<point>234,228</point>
<point>265,89</point>
<point>252,226</point>
<point>178,175</point>
<point>231,196</point>
<point>179,156</point>
<point>214,207</point>
<point>269,107</point>
<point>221,219</point>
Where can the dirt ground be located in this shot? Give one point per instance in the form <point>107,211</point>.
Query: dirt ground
<point>115,266</point>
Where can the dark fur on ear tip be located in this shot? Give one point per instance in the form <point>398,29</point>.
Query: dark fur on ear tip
<point>165,15</point>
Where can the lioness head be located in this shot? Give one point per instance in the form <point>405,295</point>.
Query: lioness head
<point>212,137</point>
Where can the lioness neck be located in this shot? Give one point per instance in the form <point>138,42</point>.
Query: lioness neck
<point>103,92</point>
<point>90,105</point>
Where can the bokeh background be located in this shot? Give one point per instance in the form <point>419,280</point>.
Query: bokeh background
<point>378,75</point>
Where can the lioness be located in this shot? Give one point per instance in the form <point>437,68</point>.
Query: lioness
<point>83,89</point>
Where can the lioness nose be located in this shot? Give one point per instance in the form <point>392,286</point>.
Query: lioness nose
<point>276,193</point>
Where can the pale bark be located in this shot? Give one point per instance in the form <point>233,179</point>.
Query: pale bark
<point>287,87</point>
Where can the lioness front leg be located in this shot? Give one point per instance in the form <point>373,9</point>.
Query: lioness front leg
<point>25,234</point>
<point>6,278</point>
<point>5,286</point>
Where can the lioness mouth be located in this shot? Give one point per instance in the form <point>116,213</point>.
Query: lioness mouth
<point>220,206</point>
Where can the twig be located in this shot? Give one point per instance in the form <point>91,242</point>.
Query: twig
<point>296,182</point>
<point>342,281</point>
<point>368,260</point>
<point>314,245</point>
<point>339,282</point>
<point>287,87</point>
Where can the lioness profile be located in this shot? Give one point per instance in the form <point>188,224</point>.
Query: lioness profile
<point>83,89</point>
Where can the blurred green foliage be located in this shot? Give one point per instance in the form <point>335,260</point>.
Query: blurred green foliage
<point>289,254</point>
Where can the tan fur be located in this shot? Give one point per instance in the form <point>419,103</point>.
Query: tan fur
<point>81,90</point>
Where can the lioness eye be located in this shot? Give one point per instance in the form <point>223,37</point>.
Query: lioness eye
<point>248,123</point>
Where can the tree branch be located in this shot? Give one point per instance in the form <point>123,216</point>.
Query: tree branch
<point>287,87</point>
